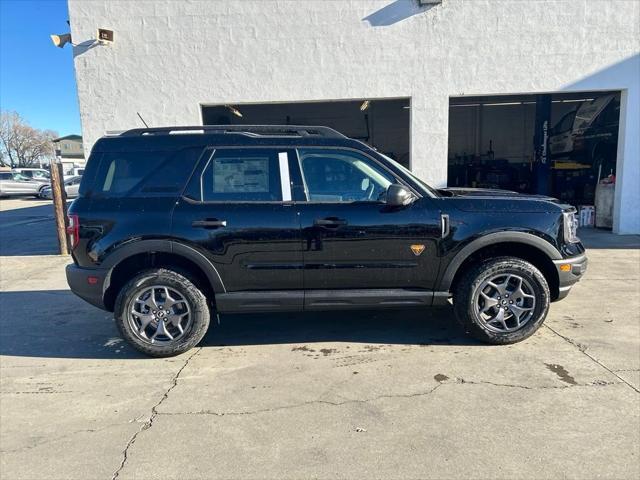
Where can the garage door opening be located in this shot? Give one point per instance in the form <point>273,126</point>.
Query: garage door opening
<point>557,144</point>
<point>382,123</point>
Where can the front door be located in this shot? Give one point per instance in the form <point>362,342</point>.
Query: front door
<point>237,211</point>
<point>357,249</point>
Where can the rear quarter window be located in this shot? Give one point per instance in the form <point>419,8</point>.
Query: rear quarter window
<point>156,173</point>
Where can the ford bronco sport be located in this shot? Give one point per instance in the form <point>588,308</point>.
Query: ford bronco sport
<point>174,224</point>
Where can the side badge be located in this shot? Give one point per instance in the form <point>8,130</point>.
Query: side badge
<point>417,249</point>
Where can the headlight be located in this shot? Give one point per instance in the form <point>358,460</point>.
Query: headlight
<point>570,227</point>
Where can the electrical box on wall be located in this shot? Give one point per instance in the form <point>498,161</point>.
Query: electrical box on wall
<point>105,36</point>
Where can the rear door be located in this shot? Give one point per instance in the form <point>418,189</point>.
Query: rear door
<point>354,241</point>
<point>237,210</point>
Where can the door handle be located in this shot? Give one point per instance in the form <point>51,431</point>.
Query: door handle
<point>329,222</point>
<point>209,223</point>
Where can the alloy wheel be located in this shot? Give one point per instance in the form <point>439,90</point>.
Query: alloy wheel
<point>505,303</point>
<point>159,315</point>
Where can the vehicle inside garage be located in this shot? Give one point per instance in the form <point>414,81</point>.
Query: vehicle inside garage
<point>559,144</point>
<point>382,123</point>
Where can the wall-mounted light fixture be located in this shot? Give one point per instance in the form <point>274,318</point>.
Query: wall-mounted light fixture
<point>105,36</point>
<point>235,111</point>
<point>61,40</point>
<point>364,105</point>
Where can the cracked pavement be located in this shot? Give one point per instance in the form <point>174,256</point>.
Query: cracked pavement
<point>401,394</point>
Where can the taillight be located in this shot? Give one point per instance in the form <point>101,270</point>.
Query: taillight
<point>73,230</point>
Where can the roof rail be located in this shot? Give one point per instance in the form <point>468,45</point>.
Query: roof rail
<point>250,130</point>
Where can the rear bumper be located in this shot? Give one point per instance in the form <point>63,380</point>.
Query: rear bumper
<point>88,284</point>
<point>570,271</point>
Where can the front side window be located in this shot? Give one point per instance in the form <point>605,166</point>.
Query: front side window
<point>243,175</point>
<point>342,176</point>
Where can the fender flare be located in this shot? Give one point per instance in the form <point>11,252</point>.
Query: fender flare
<point>165,246</point>
<point>493,239</point>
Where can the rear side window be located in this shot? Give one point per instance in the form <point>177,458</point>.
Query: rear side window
<point>155,173</point>
<point>243,175</point>
<point>5,176</point>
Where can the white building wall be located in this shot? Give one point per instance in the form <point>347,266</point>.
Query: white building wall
<point>169,57</point>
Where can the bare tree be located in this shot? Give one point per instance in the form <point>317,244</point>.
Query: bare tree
<point>21,145</point>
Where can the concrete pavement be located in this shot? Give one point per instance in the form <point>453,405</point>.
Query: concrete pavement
<point>394,394</point>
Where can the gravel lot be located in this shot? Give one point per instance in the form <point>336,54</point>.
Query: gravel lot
<point>394,394</point>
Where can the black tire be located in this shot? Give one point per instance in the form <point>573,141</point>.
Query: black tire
<point>179,282</point>
<point>466,294</point>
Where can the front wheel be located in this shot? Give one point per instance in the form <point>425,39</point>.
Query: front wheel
<point>502,300</point>
<point>162,313</point>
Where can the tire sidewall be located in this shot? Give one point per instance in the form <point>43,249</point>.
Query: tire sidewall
<point>500,266</point>
<point>185,287</point>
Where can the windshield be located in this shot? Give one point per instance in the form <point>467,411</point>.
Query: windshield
<point>410,174</point>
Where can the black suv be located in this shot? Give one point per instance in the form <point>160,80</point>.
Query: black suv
<point>174,224</point>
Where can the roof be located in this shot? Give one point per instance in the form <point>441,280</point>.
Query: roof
<point>168,138</point>
<point>68,137</point>
<point>251,130</point>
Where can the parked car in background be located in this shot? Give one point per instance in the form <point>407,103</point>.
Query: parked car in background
<point>71,186</point>
<point>588,135</point>
<point>38,174</point>
<point>73,172</point>
<point>17,184</point>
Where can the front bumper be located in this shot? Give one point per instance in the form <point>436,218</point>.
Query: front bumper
<point>88,284</point>
<point>570,271</point>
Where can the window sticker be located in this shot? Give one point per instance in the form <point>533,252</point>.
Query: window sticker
<point>247,174</point>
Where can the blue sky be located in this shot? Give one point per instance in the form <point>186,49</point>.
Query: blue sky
<point>37,79</point>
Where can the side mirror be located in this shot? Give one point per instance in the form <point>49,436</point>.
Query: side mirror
<point>398,195</point>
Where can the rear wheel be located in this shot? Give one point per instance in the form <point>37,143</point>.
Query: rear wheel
<point>502,300</point>
<point>162,313</point>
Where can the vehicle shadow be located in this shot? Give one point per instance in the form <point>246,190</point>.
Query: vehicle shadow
<point>57,324</point>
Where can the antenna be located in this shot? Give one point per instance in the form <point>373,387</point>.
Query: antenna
<point>140,116</point>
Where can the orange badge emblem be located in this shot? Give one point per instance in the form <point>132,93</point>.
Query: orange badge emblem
<point>417,249</point>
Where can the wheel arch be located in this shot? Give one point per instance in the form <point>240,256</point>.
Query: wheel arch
<point>522,245</point>
<point>127,261</point>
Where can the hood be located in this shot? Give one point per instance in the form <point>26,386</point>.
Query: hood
<point>488,192</point>
<point>488,199</point>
